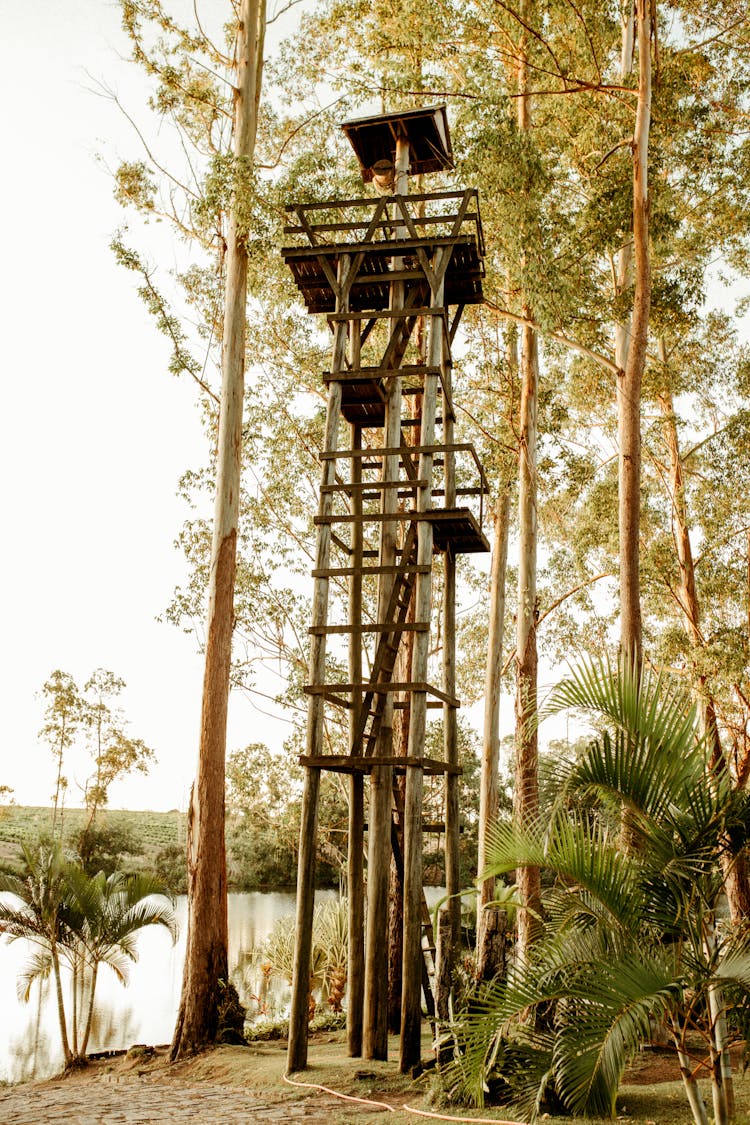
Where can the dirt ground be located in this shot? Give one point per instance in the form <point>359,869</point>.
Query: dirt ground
<point>232,1084</point>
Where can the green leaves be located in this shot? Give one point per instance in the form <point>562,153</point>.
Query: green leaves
<point>633,852</point>
<point>81,919</point>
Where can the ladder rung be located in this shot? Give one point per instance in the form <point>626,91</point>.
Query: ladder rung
<point>374,485</point>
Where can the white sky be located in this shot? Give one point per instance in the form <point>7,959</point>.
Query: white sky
<point>94,432</point>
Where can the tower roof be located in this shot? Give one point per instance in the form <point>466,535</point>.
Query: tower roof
<point>426,129</point>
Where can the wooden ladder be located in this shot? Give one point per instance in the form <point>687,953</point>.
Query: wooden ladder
<point>373,704</point>
<point>368,728</point>
<point>428,934</point>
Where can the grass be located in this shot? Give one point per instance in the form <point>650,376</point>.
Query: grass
<point>152,831</point>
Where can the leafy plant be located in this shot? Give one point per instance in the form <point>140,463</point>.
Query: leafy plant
<point>330,942</point>
<point>638,845</point>
<point>79,920</point>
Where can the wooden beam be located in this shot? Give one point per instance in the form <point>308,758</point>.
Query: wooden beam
<point>370,201</point>
<point>345,571</point>
<point>349,763</point>
<point>298,1018</point>
<point>386,688</point>
<point>355,853</point>
<point>393,627</point>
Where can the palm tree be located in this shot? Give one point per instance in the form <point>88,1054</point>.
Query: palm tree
<point>109,912</point>
<point>81,921</point>
<point>36,914</point>
<point>634,847</point>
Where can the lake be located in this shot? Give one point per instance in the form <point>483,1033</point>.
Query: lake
<point>145,1010</point>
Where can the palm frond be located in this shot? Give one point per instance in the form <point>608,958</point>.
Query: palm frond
<point>38,967</point>
<point>612,1005</point>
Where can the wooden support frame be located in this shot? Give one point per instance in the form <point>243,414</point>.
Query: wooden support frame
<point>381,778</point>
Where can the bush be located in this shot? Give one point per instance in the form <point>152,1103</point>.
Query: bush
<point>102,848</point>
<point>170,866</point>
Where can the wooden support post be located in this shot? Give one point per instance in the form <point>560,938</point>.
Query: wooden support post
<point>355,867</point>
<point>443,978</point>
<point>381,778</point>
<point>411,995</point>
<point>299,1015</point>
<point>450,717</point>
<point>492,942</point>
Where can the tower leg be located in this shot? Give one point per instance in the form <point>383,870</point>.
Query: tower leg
<point>355,864</point>
<point>376,949</point>
<point>299,1015</point>
<point>411,993</point>
<point>381,778</point>
<point>356,968</point>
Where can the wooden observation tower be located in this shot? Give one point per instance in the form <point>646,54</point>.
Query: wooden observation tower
<point>392,274</point>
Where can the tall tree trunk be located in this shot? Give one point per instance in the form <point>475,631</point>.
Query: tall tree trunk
<point>526,795</point>
<point>67,1055</point>
<point>623,269</point>
<point>206,952</point>
<point>488,784</point>
<point>688,595</point>
<point>59,779</point>
<point>90,1013</point>
<point>722,1084</point>
<point>629,382</point>
<point>735,869</point>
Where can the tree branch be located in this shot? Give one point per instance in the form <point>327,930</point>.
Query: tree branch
<point>558,337</point>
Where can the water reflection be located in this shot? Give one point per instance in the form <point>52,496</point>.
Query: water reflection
<point>145,1010</point>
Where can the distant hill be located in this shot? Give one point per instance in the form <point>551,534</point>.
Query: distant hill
<point>149,831</point>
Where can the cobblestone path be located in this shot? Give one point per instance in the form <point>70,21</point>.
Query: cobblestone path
<point>128,1101</point>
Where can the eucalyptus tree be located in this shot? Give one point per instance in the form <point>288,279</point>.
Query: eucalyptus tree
<point>63,716</point>
<point>75,717</point>
<point>113,751</point>
<point>211,95</point>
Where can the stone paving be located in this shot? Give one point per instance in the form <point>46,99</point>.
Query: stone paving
<point>129,1101</point>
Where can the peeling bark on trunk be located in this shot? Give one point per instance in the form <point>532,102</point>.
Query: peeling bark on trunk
<point>492,950</point>
<point>630,381</point>
<point>735,869</point>
<point>207,940</point>
<point>488,786</point>
<point>526,795</point>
